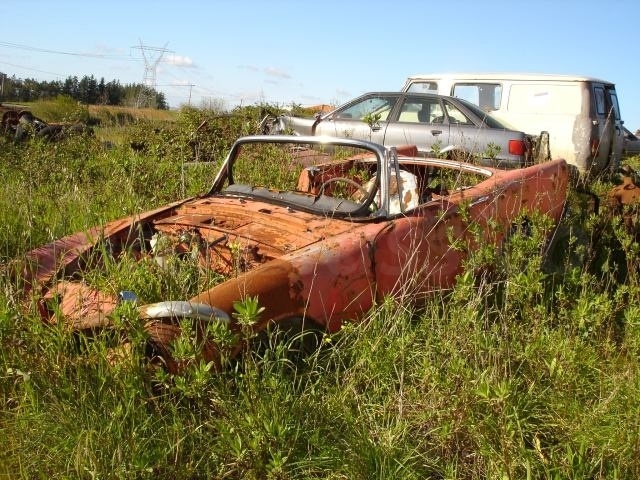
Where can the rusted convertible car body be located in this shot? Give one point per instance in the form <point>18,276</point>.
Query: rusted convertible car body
<point>318,229</point>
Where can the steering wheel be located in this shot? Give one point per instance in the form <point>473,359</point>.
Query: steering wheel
<point>351,182</point>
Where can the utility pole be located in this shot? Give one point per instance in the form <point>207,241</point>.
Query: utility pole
<point>2,77</point>
<point>150,72</point>
<point>190,85</point>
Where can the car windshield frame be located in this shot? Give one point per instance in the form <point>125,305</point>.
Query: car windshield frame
<point>318,202</point>
<point>399,179</point>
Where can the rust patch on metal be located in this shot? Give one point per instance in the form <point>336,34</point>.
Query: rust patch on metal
<point>162,334</point>
<point>624,200</point>
<point>278,287</point>
<point>627,193</point>
<point>81,306</point>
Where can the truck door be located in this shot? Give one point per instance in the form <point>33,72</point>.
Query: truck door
<point>617,143</point>
<point>607,137</point>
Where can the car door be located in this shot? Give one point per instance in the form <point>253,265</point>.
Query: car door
<point>366,118</point>
<point>413,255</point>
<point>419,121</point>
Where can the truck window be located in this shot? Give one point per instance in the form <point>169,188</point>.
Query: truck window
<point>598,93</point>
<point>423,87</point>
<point>613,98</point>
<point>485,95</point>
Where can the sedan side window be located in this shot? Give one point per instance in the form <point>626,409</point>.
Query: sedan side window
<point>371,106</point>
<point>409,112</point>
<point>456,116</point>
<point>420,110</point>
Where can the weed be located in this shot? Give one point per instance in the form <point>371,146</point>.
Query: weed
<point>527,368</point>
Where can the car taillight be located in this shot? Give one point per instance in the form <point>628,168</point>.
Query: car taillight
<point>517,147</point>
<point>595,144</point>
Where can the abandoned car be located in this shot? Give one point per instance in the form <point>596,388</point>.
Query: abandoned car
<point>631,144</point>
<point>22,124</point>
<point>438,125</point>
<point>316,229</point>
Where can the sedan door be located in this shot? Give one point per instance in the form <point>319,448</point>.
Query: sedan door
<point>366,118</point>
<point>468,136</point>
<point>419,121</point>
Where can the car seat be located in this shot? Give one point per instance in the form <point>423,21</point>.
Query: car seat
<point>423,114</point>
<point>403,194</point>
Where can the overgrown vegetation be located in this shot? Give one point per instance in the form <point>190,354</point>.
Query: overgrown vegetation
<point>528,368</point>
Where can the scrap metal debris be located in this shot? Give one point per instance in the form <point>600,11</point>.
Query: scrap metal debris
<point>22,124</point>
<point>624,199</point>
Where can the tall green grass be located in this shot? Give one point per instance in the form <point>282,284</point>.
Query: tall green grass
<point>49,189</point>
<point>528,368</point>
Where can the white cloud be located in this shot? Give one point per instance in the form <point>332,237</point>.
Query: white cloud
<point>251,68</point>
<point>102,49</point>
<point>274,72</point>
<point>181,83</point>
<point>178,60</point>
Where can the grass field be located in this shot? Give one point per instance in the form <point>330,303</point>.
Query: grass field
<point>528,372</point>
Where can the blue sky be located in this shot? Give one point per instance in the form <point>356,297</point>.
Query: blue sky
<point>232,52</point>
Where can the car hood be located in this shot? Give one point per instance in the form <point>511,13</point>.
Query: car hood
<point>219,229</point>
<point>263,230</point>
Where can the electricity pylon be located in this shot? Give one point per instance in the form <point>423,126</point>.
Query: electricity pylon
<point>147,95</point>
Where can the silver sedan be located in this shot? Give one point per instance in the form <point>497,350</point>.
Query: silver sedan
<point>438,125</point>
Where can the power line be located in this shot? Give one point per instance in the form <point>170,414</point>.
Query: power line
<point>61,52</point>
<point>32,69</point>
<point>150,55</point>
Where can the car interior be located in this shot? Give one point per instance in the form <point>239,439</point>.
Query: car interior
<point>345,181</point>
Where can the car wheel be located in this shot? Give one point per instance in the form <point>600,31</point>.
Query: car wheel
<point>161,335</point>
<point>300,338</point>
<point>50,132</point>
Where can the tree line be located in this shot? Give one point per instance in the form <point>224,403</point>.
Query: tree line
<point>87,90</point>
